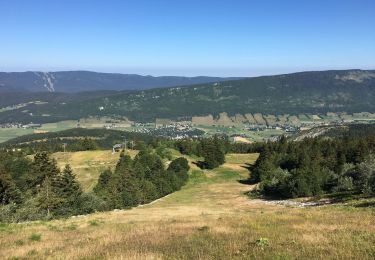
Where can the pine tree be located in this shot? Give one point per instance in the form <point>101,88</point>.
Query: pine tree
<point>47,197</point>
<point>69,191</point>
<point>103,181</point>
<point>340,161</point>
<point>8,190</point>
<point>213,151</point>
<point>41,168</point>
<point>68,187</point>
<point>125,162</point>
<point>89,144</point>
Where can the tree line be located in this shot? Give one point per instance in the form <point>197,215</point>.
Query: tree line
<point>212,150</point>
<point>33,189</point>
<point>140,180</point>
<point>289,169</point>
<point>38,189</point>
<point>77,139</point>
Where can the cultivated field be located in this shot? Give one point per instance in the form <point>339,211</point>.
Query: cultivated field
<point>9,133</point>
<point>210,218</point>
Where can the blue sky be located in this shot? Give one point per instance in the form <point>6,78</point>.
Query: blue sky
<point>165,37</point>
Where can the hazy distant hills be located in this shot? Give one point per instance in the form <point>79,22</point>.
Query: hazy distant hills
<point>306,92</point>
<point>77,81</point>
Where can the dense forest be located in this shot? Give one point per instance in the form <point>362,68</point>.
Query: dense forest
<point>316,166</point>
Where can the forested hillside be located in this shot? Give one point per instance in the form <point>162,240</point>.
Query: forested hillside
<point>307,92</point>
<point>78,81</point>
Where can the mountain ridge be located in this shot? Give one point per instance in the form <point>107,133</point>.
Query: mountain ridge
<point>315,92</point>
<point>80,80</point>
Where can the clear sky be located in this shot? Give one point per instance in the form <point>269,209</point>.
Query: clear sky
<point>187,37</point>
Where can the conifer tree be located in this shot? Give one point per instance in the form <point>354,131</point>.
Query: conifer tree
<point>103,181</point>
<point>48,198</point>
<point>8,190</point>
<point>68,187</point>
<point>41,168</point>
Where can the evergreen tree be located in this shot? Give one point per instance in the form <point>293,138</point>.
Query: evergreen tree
<point>8,191</point>
<point>48,198</point>
<point>89,144</point>
<point>68,187</point>
<point>140,180</point>
<point>163,151</point>
<point>340,161</point>
<point>125,162</point>
<point>179,164</point>
<point>103,181</point>
<point>41,168</point>
<point>213,152</point>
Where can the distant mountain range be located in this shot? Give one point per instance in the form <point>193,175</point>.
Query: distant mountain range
<point>306,92</point>
<point>77,81</point>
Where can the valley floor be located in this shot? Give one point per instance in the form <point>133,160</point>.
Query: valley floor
<point>210,218</point>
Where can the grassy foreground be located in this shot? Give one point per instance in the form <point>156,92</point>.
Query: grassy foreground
<point>210,218</point>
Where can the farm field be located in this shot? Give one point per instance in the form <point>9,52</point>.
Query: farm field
<point>9,133</point>
<point>308,119</point>
<point>251,135</point>
<point>209,218</point>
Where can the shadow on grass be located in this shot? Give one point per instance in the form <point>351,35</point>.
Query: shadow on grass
<point>366,204</point>
<point>342,197</point>
<point>200,164</point>
<point>248,181</point>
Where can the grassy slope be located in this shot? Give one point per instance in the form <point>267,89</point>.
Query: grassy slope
<point>210,218</point>
<point>88,165</point>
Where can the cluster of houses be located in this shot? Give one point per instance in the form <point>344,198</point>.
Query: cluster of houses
<point>18,125</point>
<point>175,131</point>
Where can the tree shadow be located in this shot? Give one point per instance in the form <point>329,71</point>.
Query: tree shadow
<point>366,204</point>
<point>341,197</point>
<point>249,181</point>
<point>246,181</point>
<point>201,164</point>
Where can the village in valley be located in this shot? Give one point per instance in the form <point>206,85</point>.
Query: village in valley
<point>250,127</point>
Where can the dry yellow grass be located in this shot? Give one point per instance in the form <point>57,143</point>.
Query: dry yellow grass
<point>210,218</point>
<point>240,139</point>
<point>87,165</point>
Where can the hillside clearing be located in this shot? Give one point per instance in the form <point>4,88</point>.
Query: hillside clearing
<point>87,165</point>
<point>210,218</point>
